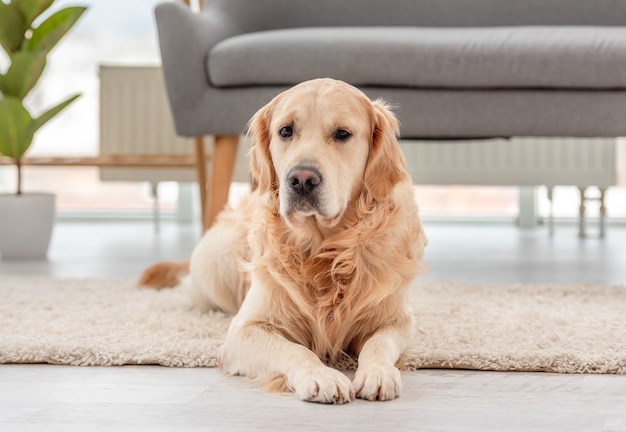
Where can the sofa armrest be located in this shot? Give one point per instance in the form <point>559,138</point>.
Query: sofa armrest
<point>185,39</point>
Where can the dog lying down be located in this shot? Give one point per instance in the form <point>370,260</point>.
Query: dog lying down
<point>317,261</point>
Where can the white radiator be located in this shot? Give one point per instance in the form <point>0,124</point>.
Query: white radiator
<point>135,119</point>
<point>551,162</point>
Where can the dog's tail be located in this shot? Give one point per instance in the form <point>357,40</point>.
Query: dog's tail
<point>164,274</point>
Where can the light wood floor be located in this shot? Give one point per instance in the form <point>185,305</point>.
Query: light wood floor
<point>151,398</point>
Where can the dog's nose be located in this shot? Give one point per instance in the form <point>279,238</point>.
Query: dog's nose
<point>304,179</point>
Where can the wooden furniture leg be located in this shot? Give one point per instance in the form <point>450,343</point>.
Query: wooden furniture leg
<point>224,155</point>
<point>201,174</point>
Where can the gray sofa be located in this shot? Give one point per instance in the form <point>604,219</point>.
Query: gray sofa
<point>453,68</point>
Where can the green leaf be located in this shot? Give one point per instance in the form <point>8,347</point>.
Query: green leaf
<point>12,27</point>
<point>24,72</point>
<point>48,115</point>
<point>31,9</point>
<point>16,134</point>
<point>50,32</point>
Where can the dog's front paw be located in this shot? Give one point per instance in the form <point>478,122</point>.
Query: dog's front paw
<point>377,382</point>
<point>323,384</point>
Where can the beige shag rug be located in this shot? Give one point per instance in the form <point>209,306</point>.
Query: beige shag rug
<point>555,328</point>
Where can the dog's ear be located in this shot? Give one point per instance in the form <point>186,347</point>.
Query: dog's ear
<point>385,165</point>
<point>261,165</point>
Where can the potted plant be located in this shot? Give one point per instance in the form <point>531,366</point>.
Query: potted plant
<point>26,219</point>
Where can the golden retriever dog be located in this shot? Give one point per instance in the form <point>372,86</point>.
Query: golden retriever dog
<point>316,262</point>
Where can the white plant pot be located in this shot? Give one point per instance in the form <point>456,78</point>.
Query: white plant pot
<point>26,223</point>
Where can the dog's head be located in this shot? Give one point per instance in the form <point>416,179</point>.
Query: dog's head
<point>320,145</point>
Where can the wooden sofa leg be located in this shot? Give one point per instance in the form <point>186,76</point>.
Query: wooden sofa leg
<point>201,175</point>
<point>224,155</point>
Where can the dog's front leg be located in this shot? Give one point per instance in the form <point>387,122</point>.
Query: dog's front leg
<point>377,377</point>
<point>254,349</point>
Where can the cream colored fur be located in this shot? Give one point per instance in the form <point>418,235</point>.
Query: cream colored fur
<point>314,279</point>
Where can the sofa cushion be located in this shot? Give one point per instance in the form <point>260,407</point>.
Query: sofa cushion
<point>478,57</point>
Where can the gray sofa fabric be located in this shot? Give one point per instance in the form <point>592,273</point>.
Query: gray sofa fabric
<point>453,68</point>
<point>259,15</point>
<point>480,57</point>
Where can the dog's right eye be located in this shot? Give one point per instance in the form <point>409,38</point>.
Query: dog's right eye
<point>286,132</point>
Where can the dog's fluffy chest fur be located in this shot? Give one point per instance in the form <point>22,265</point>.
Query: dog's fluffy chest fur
<point>333,282</point>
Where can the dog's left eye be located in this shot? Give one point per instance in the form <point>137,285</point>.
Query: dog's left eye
<point>342,135</point>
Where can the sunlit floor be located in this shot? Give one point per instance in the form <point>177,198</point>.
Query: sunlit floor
<point>151,398</point>
<point>470,252</point>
